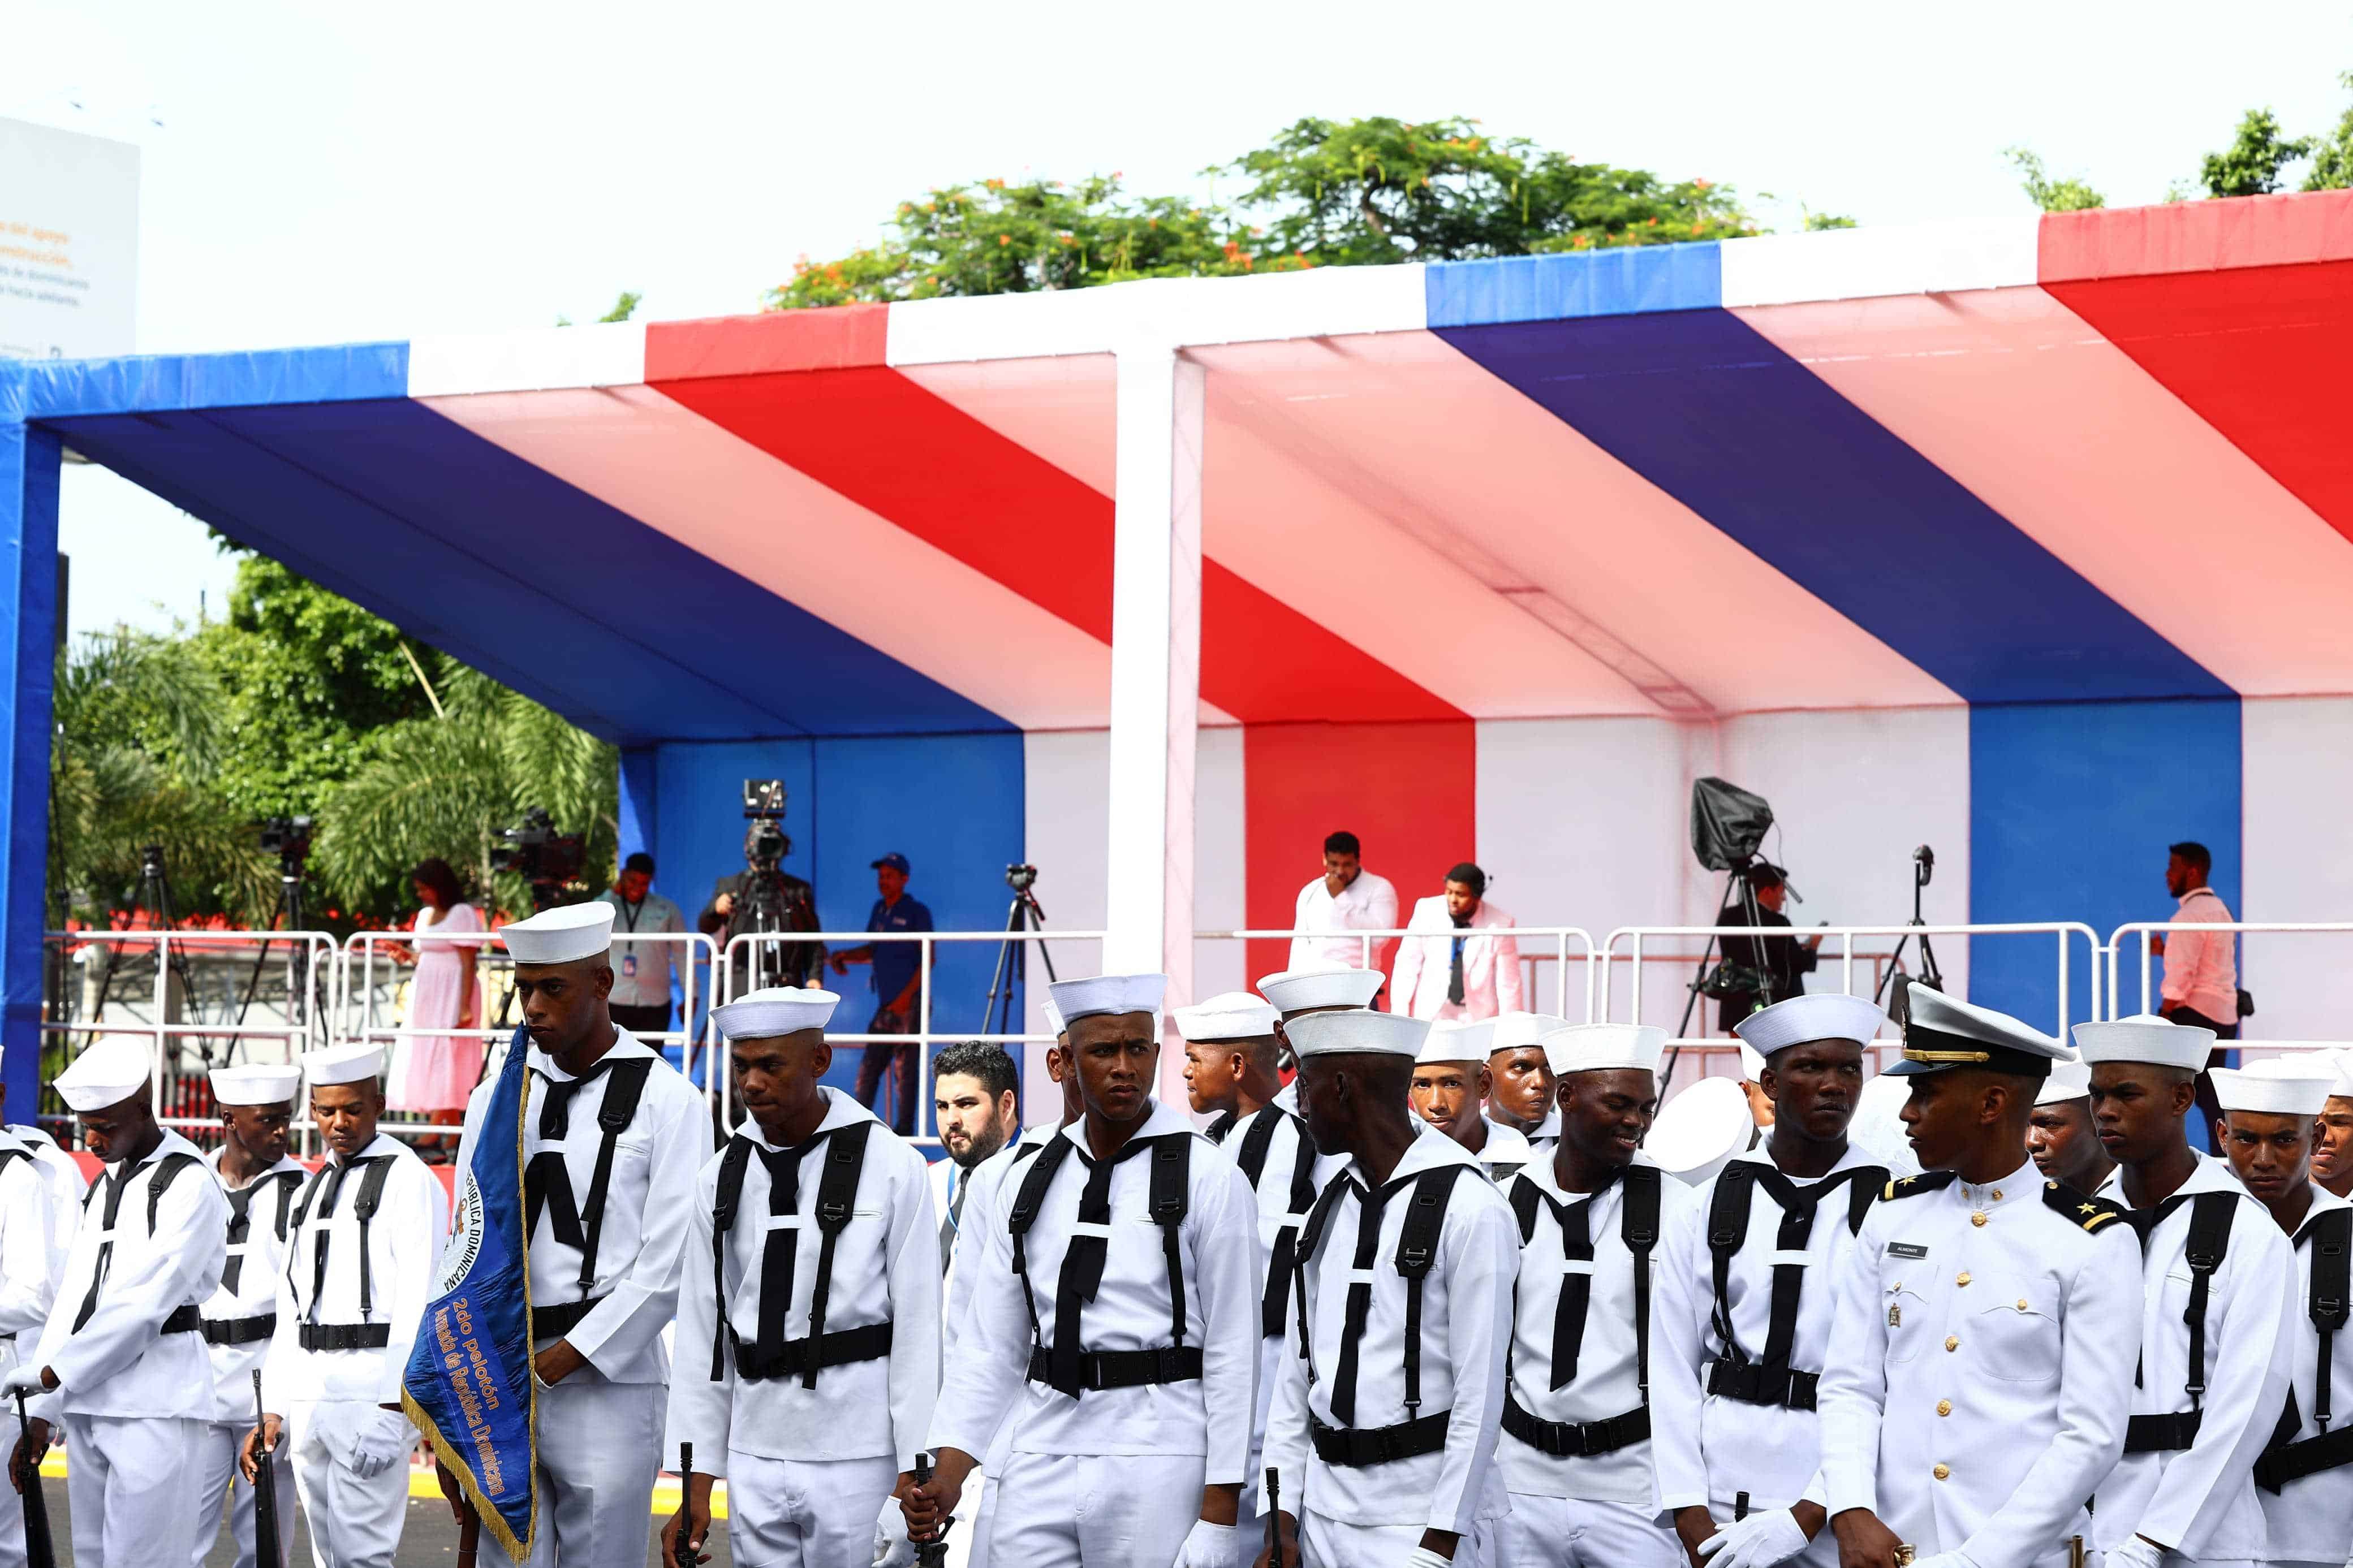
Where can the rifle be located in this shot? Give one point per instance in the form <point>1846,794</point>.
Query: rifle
<point>267,1550</point>
<point>1273,1518</point>
<point>40,1551</point>
<point>682,1554</point>
<point>933,1552</point>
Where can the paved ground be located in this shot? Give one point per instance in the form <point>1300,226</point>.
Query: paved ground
<point>429,1540</point>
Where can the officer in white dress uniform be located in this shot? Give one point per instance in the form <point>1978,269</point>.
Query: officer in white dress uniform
<point>63,1175</point>
<point>1450,1090</point>
<point>1382,1429</point>
<point>1986,1325</point>
<point>809,1348</point>
<point>1747,1293</point>
<point>1230,1052</point>
<point>2218,1319</point>
<point>1575,1449</point>
<point>612,1138</point>
<point>1116,1313</point>
<point>365,1234</point>
<point>2305,1478</point>
<point>123,1351</point>
<point>1522,1093</point>
<point>259,1182</point>
<point>32,1256</point>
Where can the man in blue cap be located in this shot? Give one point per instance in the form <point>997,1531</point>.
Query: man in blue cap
<point>898,990</point>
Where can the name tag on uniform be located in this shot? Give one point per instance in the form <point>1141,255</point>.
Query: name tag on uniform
<point>1906,1249</point>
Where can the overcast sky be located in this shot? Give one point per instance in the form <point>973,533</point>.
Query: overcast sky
<point>330,174</point>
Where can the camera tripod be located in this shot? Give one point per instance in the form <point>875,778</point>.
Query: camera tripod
<point>1751,915</point>
<point>1924,867</point>
<point>154,896</point>
<point>303,1001</point>
<point>766,905</point>
<point>1013,953</point>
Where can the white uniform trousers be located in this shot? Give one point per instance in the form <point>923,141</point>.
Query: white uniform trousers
<point>802,1513</point>
<point>1568,1532</point>
<point>1329,1543</point>
<point>129,1481</point>
<point>1096,1510</point>
<point>219,1477</point>
<point>599,1444</point>
<point>355,1524</point>
<point>893,1550</point>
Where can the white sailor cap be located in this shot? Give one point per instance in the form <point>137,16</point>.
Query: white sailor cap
<point>1877,1128</point>
<point>1941,1034</point>
<point>1054,1025</point>
<point>1356,1031</point>
<point>775,1011</point>
<point>1109,993</point>
<point>1228,1016</point>
<point>1298,990</point>
<point>343,1064</point>
<point>1698,1131</point>
<point>1752,1063</point>
<point>2068,1081</point>
<point>1518,1031</point>
<point>1456,1040</point>
<point>254,1083</point>
<point>564,934</point>
<point>2145,1038</point>
<point>2342,1060</point>
<point>111,1071</point>
<point>1821,1015</point>
<point>2284,1086</point>
<point>1605,1047</point>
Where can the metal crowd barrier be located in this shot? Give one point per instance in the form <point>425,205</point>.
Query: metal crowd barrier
<point>1569,943</point>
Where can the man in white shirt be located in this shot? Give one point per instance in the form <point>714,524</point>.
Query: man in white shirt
<point>809,1355</point>
<point>1747,1293</point>
<point>360,1264</point>
<point>612,1138</point>
<point>1981,1352</point>
<point>1384,1439</point>
<point>1450,1088</point>
<point>2305,1478</point>
<point>2218,1324</point>
<point>1464,963</point>
<point>1116,1313</point>
<point>32,1256</point>
<point>1345,897</point>
<point>1576,1447</point>
<point>642,971</point>
<point>257,1107</point>
<point>121,1355</point>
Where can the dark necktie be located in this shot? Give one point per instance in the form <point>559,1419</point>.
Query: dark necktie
<point>1082,1262</point>
<point>780,1254</point>
<point>957,1180</point>
<point>1454,977</point>
<point>1576,1285</point>
<point>331,1186</point>
<point>555,1102</point>
<point>1360,1305</point>
<point>1798,1206</point>
<point>240,1226</point>
<point>116,1180</point>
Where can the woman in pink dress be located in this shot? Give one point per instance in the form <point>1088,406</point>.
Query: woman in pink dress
<point>441,1070</point>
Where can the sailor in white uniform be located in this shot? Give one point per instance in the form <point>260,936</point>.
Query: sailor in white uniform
<point>2305,1478</point>
<point>2218,1315</point>
<point>1747,1293</point>
<point>612,1138</point>
<point>1383,1430</point>
<point>259,1182</point>
<point>366,1231</point>
<point>1982,1349</point>
<point>1450,1092</point>
<point>122,1353</point>
<point>1318,988</point>
<point>2065,1145</point>
<point>808,1347</point>
<point>64,1176</point>
<point>1230,1053</point>
<point>1575,1449</point>
<point>1116,1313</point>
<point>1521,1092</point>
<point>32,1256</point>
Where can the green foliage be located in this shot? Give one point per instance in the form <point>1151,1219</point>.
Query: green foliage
<point>1816,222</point>
<point>2332,155</point>
<point>1322,193</point>
<point>624,307</point>
<point>2251,164</point>
<point>2051,195</point>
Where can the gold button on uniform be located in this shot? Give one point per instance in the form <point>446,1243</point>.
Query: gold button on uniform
<point>1944,1407</point>
<point>1963,1279</point>
<point>1997,1195</point>
<point>1976,1219</point>
<point>2022,1303</point>
<point>1952,1342</point>
<point>1941,1471</point>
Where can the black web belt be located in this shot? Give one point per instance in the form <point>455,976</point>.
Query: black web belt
<point>345,1336</point>
<point>239,1331</point>
<point>2293,1462</point>
<point>797,1358</point>
<point>187,1320</point>
<point>1099,1370</point>
<point>2161,1434</point>
<point>1754,1383</point>
<point>555,1322</point>
<point>1358,1446</point>
<point>1576,1439</point>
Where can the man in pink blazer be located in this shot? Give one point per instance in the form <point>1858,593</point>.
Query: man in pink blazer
<point>1450,973</point>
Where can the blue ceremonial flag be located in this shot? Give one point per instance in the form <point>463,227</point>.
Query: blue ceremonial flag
<point>469,1386</point>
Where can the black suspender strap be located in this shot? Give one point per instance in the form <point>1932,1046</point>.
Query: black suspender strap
<point>625,1085</point>
<point>1637,1228</point>
<point>1171,1182</point>
<point>1220,1129</point>
<point>1302,1199</point>
<point>1257,1144</point>
<point>547,1181</point>
<point>241,1218</point>
<point>1728,1231</point>
<point>836,1200</point>
<point>723,1202</point>
<point>379,1170</point>
<point>2209,1243</point>
<point>1024,1213</point>
<point>1425,1216</point>
<point>2329,1235</point>
<point>158,1181</point>
<point>1311,1236</point>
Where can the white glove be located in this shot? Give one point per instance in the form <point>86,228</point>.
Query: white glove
<point>1757,1541</point>
<point>2135,1552</point>
<point>1423,1557</point>
<point>891,1547</point>
<point>1210,1545</point>
<point>27,1378</point>
<point>1943,1560</point>
<point>384,1438</point>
